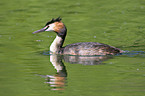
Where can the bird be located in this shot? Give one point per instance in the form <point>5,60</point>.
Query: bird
<point>81,48</point>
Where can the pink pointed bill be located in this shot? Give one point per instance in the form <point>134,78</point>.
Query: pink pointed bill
<point>38,31</point>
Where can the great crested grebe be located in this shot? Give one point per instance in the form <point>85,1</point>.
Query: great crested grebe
<point>82,48</point>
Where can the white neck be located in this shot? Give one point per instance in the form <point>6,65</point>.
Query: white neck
<point>56,44</point>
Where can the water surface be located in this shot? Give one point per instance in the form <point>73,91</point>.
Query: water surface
<point>26,71</point>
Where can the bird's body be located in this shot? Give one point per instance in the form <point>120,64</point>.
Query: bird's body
<point>82,48</point>
<point>90,48</point>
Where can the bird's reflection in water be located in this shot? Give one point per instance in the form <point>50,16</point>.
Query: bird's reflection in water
<point>86,60</point>
<point>58,81</point>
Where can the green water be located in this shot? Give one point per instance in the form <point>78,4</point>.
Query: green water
<point>24,66</point>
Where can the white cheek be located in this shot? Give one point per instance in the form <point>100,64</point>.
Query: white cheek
<point>51,27</point>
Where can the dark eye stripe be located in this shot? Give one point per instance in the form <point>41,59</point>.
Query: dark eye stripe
<point>46,27</point>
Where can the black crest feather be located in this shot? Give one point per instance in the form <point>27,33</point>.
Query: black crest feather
<point>53,20</point>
